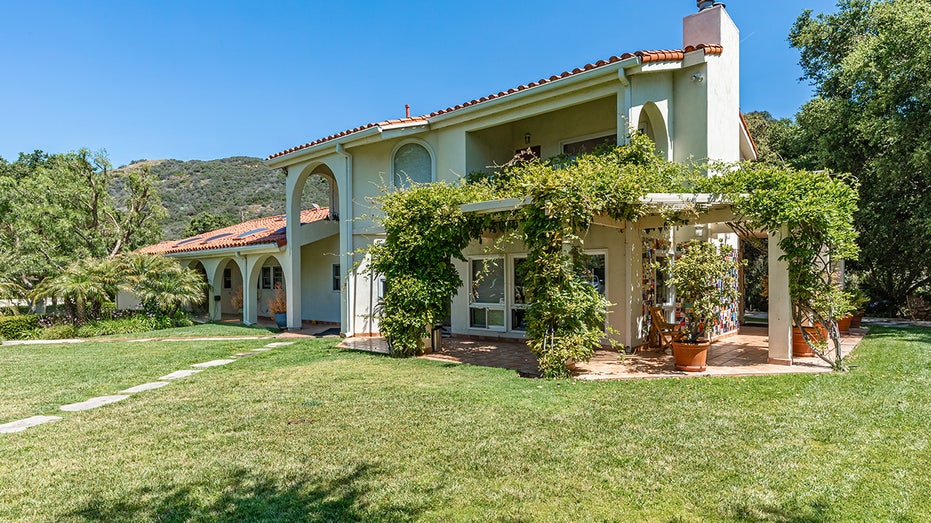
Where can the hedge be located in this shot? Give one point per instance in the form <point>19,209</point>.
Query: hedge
<point>17,327</point>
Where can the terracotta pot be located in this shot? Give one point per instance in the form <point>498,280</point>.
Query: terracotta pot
<point>800,349</point>
<point>843,324</point>
<point>856,319</point>
<point>690,357</point>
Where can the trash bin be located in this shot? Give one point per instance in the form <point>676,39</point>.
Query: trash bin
<point>436,338</point>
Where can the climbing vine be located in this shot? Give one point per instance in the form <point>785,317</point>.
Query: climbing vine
<point>426,229</point>
<point>812,214</point>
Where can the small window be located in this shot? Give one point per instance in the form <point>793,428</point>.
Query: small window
<point>277,277</point>
<point>412,164</point>
<point>593,271</point>
<point>266,282</point>
<point>521,299</point>
<point>588,146</point>
<point>336,283</point>
<point>227,278</point>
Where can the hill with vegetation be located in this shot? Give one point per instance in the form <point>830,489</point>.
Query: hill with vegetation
<point>240,188</point>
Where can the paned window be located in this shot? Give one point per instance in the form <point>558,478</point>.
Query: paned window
<point>412,164</point>
<point>486,307</point>
<point>588,146</point>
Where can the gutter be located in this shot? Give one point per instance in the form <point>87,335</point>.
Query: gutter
<point>248,249</point>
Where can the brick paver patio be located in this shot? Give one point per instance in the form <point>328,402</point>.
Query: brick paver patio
<point>743,354</point>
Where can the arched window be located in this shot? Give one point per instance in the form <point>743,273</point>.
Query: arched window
<point>412,163</point>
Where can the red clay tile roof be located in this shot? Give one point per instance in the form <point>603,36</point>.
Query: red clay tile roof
<point>645,57</point>
<point>253,232</point>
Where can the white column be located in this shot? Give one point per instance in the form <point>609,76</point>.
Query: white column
<point>780,304</point>
<point>347,300</point>
<point>292,272</point>
<point>631,294</point>
<point>215,281</point>
<point>250,294</point>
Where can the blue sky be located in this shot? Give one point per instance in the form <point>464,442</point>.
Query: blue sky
<point>204,80</point>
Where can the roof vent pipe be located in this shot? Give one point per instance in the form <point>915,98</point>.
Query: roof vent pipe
<point>407,110</point>
<point>707,4</point>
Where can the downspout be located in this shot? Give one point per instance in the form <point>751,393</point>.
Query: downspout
<point>623,108</point>
<point>345,241</point>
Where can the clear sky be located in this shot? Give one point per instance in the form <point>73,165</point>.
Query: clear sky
<point>210,79</point>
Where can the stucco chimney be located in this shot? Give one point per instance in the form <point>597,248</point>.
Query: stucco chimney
<point>710,25</point>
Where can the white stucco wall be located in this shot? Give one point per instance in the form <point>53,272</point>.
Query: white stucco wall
<point>319,302</point>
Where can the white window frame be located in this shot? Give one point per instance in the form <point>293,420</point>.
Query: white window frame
<point>602,252</point>
<point>584,137</point>
<point>423,144</point>
<point>511,284</point>
<point>502,306</point>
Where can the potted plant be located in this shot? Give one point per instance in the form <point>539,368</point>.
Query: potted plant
<point>278,306</point>
<point>236,299</point>
<point>704,281</point>
<point>858,300</point>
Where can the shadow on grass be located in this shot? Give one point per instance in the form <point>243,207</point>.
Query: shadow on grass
<point>241,496</point>
<point>915,334</point>
<point>815,511</point>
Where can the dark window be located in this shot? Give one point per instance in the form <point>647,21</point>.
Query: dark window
<point>266,282</point>
<point>227,278</point>
<point>588,146</point>
<point>336,282</point>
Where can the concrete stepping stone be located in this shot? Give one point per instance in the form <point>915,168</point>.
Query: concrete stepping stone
<point>244,354</point>
<point>212,363</point>
<point>93,403</point>
<point>144,387</point>
<point>280,344</point>
<point>23,424</point>
<point>263,349</point>
<point>178,374</point>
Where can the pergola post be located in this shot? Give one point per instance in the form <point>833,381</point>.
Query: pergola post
<point>780,304</point>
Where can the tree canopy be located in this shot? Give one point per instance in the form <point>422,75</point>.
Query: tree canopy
<point>59,208</point>
<point>870,63</point>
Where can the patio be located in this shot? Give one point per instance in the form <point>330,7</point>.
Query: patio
<point>742,354</point>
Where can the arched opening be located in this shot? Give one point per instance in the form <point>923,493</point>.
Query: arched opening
<point>228,285</point>
<point>268,276</point>
<point>202,309</point>
<point>318,189</point>
<point>652,124</point>
<point>411,163</point>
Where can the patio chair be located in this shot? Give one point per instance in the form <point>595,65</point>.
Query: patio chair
<point>662,332</point>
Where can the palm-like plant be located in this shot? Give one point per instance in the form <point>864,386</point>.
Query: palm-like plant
<point>83,284</point>
<point>163,282</point>
<point>10,290</point>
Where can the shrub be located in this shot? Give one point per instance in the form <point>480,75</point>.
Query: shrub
<point>56,332</point>
<point>18,327</point>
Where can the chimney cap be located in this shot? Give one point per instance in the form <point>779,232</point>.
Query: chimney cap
<point>707,4</point>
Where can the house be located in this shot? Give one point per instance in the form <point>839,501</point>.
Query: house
<point>686,100</point>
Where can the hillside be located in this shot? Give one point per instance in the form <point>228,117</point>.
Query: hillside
<point>240,186</point>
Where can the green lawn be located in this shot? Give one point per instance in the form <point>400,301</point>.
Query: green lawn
<point>312,433</point>
<point>203,330</point>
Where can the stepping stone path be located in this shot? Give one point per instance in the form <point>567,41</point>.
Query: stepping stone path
<point>23,424</point>
<point>93,403</point>
<point>145,387</point>
<point>178,374</point>
<point>212,363</point>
